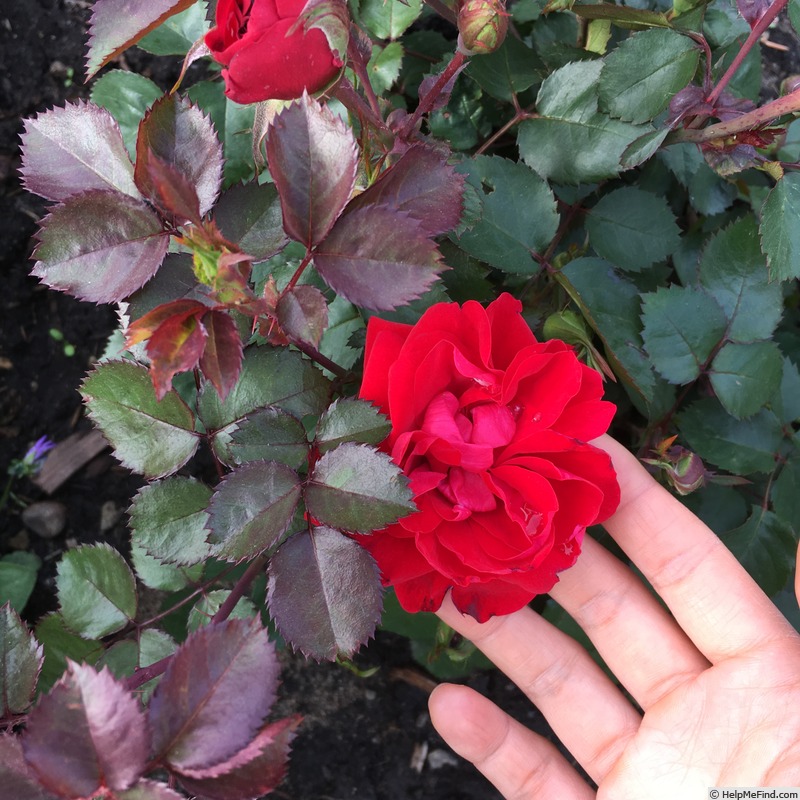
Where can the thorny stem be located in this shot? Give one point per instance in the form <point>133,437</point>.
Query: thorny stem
<point>360,68</point>
<point>757,118</point>
<point>520,116</point>
<point>352,100</point>
<point>755,35</point>
<point>322,360</point>
<point>145,674</point>
<point>426,103</point>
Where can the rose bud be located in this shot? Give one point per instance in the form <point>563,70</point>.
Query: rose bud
<point>492,428</point>
<point>261,61</point>
<point>482,26</point>
<point>685,470</point>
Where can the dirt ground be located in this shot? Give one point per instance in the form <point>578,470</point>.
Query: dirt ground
<point>366,738</point>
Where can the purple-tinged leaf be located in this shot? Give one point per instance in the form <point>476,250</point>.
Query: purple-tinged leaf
<point>753,10</point>
<point>357,488</point>
<point>378,258</point>
<point>251,509</point>
<point>170,192</point>
<point>221,361</point>
<point>20,663</point>
<point>303,314</point>
<point>252,772</point>
<point>88,733</point>
<point>249,215</point>
<point>313,159</point>
<point>70,150</point>
<point>324,593</point>
<point>100,246</point>
<point>182,136</point>
<point>16,778</point>
<point>423,185</point>
<point>117,24</point>
<point>215,695</point>
<point>149,790</point>
<point>429,82</point>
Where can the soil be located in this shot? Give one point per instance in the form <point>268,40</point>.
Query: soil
<point>367,738</point>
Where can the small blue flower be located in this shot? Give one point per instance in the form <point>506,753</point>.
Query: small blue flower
<point>32,461</point>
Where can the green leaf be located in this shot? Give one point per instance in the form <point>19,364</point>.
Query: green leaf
<point>18,573</point>
<point>177,34</point>
<point>786,491</point>
<point>356,488</point>
<point>643,74</point>
<point>734,272</point>
<point>388,19</point>
<point>739,446</point>
<point>96,590</point>
<point>780,228</point>
<point>251,509</point>
<point>509,70</point>
<point>643,148</point>
<point>611,305</point>
<point>765,546</point>
<point>123,658</point>
<point>384,66</point>
<point>271,376</point>
<point>59,644</point>
<point>344,320</point>
<point>786,404</point>
<point>519,214</point>
<point>234,126</point>
<point>571,141</point>
<point>208,605</point>
<point>745,376</point>
<point>351,420</point>
<point>324,593</point>
<point>20,663</point>
<point>267,434</point>
<point>708,192</point>
<point>156,574</point>
<point>632,229</point>
<point>682,327</point>
<point>168,519</point>
<point>151,437</point>
<point>127,95</point>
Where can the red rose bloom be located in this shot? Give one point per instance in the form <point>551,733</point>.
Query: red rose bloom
<point>263,63</point>
<point>491,427</point>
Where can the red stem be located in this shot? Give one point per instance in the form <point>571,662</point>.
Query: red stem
<point>360,68</point>
<point>145,674</point>
<point>426,103</point>
<point>755,34</point>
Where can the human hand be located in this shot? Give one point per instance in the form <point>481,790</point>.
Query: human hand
<point>719,680</point>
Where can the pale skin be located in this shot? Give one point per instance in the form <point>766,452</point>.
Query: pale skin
<point>717,677</point>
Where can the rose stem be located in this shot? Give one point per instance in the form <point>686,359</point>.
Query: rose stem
<point>426,103</point>
<point>755,34</point>
<point>352,100</point>
<point>145,674</point>
<point>757,118</point>
<point>360,68</point>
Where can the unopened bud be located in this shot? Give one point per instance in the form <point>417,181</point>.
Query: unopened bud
<point>686,471</point>
<point>482,26</point>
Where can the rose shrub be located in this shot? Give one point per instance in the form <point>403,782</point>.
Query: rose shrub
<point>262,62</point>
<point>491,428</point>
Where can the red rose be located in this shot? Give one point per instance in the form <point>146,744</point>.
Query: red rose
<point>263,63</point>
<point>491,427</point>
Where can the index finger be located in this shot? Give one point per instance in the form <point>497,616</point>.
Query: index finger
<point>712,597</point>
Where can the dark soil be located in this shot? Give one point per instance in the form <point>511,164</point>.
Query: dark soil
<point>360,735</point>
